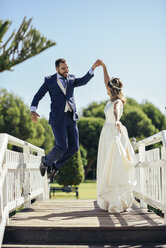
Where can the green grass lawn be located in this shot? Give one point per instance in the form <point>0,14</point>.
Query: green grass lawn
<point>86,190</point>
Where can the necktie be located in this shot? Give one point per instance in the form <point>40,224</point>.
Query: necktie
<point>64,82</point>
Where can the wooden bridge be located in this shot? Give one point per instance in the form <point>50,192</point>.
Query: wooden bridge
<point>78,223</point>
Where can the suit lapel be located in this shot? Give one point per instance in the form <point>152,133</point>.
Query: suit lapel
<point>59,85</point>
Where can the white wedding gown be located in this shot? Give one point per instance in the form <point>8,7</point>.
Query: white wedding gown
<point>115,163</point>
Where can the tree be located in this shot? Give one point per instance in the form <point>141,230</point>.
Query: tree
<point>72,172</point>
<point>22,45</point>
<point>15,120</point>
<point>142,120</point>
<point>94,109</point>
<point>15,116</point>
<point>89,129</point>
<point>49,141</point>
<point>83,152</point>
<point>138,124</point>
<point>157,118</point>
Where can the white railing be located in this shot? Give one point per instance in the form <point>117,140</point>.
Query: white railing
<point>151,172</point>
<point>20,179</point>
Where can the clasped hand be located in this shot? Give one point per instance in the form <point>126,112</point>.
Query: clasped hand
<point>97,63</point>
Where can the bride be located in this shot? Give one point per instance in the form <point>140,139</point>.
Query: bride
<point>116,159</point>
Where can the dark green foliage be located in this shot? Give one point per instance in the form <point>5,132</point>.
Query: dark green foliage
<point>15,116</point>
<point>83,152</point>
<point>72,173</point>
<point>89,129</point>
<point>132,102</point>
<point>22,45</point>
<point>157,118</point>
<point>94,109</point>
<point>49,140</point>
<point>138,124</point>
<point>15,120</point>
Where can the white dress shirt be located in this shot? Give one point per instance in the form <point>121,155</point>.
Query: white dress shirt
<point>59,81</point>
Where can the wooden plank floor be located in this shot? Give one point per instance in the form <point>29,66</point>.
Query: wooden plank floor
<point>81,213</point>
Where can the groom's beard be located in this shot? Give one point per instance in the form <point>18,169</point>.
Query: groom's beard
<point>65,74</point>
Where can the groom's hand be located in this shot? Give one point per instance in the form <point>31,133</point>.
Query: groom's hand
<point>34,116</point>
<point>101,63</point>
<point>96,64</point>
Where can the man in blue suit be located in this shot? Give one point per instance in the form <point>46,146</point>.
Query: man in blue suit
<point>63,114</point>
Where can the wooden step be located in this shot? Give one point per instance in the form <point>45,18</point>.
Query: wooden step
<point>84,235</point>
<point>82,222</point>
<point>86,246</point>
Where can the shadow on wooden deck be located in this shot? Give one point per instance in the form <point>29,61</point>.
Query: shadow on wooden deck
<point>82,222</point>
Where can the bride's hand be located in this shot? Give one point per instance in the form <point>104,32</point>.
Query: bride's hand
<point>118,126</point>
<point>101,63</point>
<point>96,64</point>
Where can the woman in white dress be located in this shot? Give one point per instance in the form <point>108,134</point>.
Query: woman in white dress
<point>116,158</point>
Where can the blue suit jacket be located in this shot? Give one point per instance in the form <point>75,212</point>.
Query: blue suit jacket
<point>58,98</point>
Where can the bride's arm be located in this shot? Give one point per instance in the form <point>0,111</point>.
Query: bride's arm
<point>106,76</point>
<point>117,110</point>
<point>117,107</point>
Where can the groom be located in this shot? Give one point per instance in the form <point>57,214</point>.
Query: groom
<point>63,114</point>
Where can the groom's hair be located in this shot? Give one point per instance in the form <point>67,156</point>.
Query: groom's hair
<point>58,61</point>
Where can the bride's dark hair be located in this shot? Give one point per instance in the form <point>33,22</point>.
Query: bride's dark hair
<point>115,85</point>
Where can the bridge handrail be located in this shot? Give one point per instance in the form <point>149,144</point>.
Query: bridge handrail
<point>151,172</point>
<point>20,179</point>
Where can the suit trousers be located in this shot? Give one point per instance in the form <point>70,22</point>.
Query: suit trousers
<point>66,139</point>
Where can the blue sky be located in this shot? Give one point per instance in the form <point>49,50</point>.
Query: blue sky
<point>128,35</point>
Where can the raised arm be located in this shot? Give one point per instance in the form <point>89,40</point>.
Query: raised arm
<point>84,80</point>
<point>106,76</point>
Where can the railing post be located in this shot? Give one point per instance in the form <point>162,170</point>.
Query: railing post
<point>141,158</point>
<point>27,175</point>
<point>141,150</point>
<point>163,134</point>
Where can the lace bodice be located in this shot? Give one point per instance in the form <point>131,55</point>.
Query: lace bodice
<point>110,111</point>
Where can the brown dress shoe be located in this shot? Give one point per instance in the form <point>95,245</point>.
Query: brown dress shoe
<point>53,173</point>
<point>42,167</point>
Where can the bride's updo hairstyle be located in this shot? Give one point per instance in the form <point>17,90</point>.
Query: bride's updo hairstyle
<point>115,85</point>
